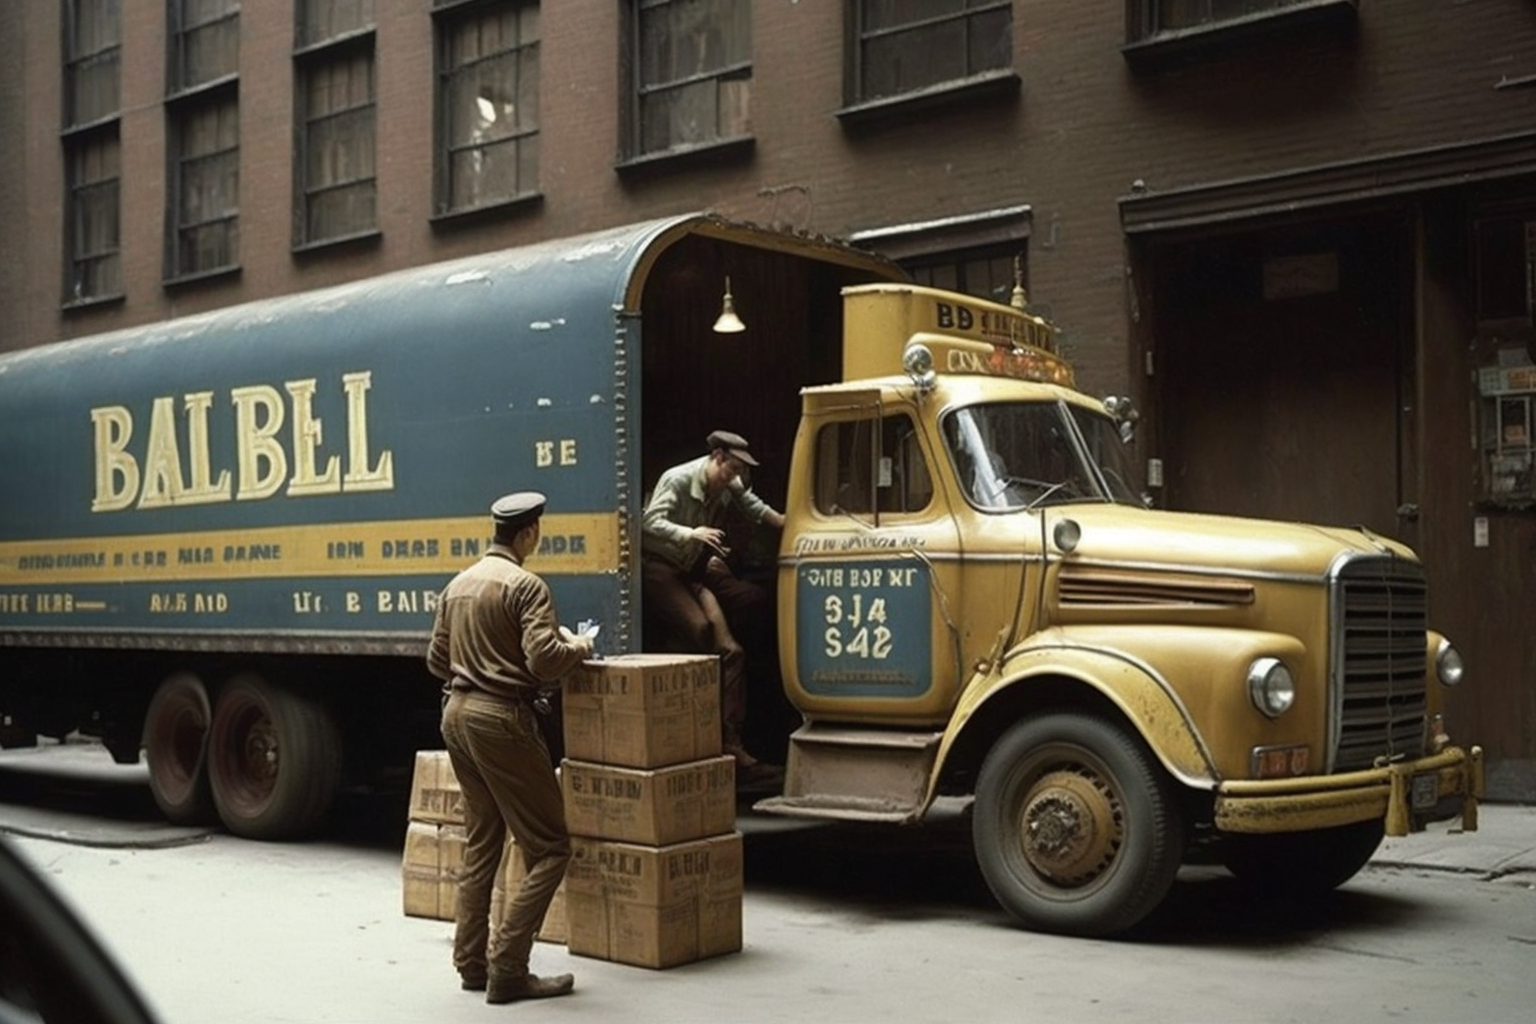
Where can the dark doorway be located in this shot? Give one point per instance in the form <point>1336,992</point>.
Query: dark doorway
<point>1280,356</point>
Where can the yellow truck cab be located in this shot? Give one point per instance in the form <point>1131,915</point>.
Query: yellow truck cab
<point>973,598</point>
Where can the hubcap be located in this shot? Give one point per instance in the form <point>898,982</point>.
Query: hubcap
<point>1070,826</point>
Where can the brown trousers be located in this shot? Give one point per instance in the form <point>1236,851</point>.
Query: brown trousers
<point>509,783</point>
<point>698,608</point>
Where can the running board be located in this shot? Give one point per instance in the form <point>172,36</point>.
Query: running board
<point>856,774</point>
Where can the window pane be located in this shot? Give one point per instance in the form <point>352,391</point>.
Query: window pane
<point>96,25</point>
<point>908,45</point>
<point>208,41</point>
<point>339,212</point>
<point>490,105</point>
<point>1173,14</point>
<point>208,188</point>
<point>326,19</point>
<point>339,148</point>
<point>94,59</point>
<point>694,72</point>
<point>94,225</point>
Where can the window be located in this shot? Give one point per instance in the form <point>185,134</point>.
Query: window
<point>323,21</point>
<point>1162,33</point>
<point>488,104</point>
<point>899,47</point>
<point>986,274</point>
<point>690,74</point>
<point>205,42</point>
<point>1012,455</point>
<point>93,42</point>
<point>1169,15</point>
<point>860,471</point>
<point>92,149</point>
<point>336,150</point>
<point>205,187</point>
<point>95,259</point>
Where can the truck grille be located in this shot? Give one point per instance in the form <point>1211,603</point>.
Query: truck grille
<point>1379,620</point>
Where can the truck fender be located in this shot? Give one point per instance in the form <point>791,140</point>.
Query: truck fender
<point>1097,659</point>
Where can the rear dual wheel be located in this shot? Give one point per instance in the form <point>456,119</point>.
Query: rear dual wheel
<point>265,760</point>
<point>274,760</point>
<point>176,745</point>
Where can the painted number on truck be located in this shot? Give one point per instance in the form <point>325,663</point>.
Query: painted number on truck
<point>864,628</point>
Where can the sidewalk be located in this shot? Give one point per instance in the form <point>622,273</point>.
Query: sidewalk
<point>1504,845</point>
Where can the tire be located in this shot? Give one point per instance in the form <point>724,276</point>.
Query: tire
<point>175,746</point>
<point>1301,863</point>
<point>1076,827</point>
<point>274,760</point>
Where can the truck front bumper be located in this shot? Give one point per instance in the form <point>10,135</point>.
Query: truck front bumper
<point>1404,795</point>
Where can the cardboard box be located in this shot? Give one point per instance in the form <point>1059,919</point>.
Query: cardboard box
<point>643,710</point>
<point>655,806</point>
<point>435,793</point>
<point>655,906</point>
<point>433,855</point>
<point>554,927</point>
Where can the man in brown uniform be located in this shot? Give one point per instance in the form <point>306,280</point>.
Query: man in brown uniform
<point>495,641</point>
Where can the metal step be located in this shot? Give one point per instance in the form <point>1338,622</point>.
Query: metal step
<point>856,774</point>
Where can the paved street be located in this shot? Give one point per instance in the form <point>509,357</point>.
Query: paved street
<point>841,924</point>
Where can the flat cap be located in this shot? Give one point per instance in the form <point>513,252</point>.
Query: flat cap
<point>518,509</point>
<point>735,444</point>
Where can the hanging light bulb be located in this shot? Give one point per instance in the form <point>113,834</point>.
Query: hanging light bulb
<point>729,322</point>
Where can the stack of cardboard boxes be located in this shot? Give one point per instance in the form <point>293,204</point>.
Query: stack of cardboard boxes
<point>656,864</point>
<point>434,852</point>
<point>434,839</point>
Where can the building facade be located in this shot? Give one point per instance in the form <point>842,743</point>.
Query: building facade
<point>1300,233</point>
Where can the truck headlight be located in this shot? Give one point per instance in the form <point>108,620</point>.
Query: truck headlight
<point>1449,665</point>
<point>1271,687</point>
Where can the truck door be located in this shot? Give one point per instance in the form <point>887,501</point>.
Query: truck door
<point>870,568</point>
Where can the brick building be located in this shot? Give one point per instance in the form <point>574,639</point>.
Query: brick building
<point>1301,233</point>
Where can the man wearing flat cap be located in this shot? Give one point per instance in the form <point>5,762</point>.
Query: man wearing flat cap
<point>688,585</point>
<point>495,643</point>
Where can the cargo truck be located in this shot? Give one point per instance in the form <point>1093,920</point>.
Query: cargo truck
<point>222,537</point>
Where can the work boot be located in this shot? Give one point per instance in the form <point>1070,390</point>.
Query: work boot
<point>502,989</point>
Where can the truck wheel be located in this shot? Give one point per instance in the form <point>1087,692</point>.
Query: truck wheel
<point>274,760</point>
<point>1076,830</point>
<point>175,745</point>
<point>1302,863</point>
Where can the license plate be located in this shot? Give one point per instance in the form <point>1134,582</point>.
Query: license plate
<point>1426,791</point>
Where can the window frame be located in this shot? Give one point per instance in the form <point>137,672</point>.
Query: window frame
<point>1150,47</point>
<point>635,152</point>
<point>80,58</point>
<point>315,55</point>
<point>179,77</point>
<point>106,135</point>
<point>848,450</point>
<point>976,85</point>
<point>449,17</point>
<point>180,115</point>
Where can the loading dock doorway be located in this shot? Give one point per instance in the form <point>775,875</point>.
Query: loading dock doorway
<point>1281,358</point>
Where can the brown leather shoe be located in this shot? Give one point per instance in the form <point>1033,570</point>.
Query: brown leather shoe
<point>528,986</point>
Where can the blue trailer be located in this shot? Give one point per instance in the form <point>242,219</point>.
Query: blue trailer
<point>222,537</point>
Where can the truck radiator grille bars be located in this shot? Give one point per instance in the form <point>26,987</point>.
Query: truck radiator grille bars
<point>1378,644</point>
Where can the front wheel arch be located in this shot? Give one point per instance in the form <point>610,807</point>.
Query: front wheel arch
<point>1076,826</point>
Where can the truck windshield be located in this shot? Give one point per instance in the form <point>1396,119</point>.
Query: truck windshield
<point>1018,455</point>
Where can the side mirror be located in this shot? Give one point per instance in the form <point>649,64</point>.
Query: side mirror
<point>1123,412</point>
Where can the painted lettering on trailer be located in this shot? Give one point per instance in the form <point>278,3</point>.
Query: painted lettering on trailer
<point>161,475</point>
